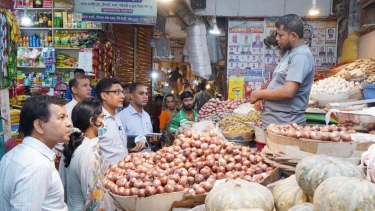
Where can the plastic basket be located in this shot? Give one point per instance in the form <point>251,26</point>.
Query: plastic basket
<point>368,91</point>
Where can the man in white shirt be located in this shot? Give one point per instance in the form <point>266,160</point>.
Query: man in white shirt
<point>80,87</point>
<point>29,179</point>
<point>113,143</point>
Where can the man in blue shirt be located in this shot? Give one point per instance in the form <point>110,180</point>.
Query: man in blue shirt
<point>134,118</point>
<point>77,73</point>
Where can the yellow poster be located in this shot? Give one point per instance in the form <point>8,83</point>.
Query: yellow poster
<point>235,90</point>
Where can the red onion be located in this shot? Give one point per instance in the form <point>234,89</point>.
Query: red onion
<point>199,178</point>
<point>169,188</point>
<point>160,190</point>
<point>149,190</point>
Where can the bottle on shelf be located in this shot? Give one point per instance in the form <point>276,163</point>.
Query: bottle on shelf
<point>57,41</point>
<point>42,39</point>
<point>27,43</point>
<point>36,19</point>
<point>24,41</point>
<point>49,37</point>
<point>40,19</point>
<point>38,3</point>
<point>49,19</point>
<point>45,20</point>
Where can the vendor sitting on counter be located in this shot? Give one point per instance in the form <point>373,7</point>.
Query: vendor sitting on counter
<point>287,95</point>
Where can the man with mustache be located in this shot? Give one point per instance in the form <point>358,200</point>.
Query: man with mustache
<point>287,95</point>
<point>136,120</point>
<point>186,114</point>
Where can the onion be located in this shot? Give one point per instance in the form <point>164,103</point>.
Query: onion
<point>160,190</point>
<point>199,152</point>
<point>229,150</point>
<point>306,134</point>
<point>210,162</point>
<point>345,136</point>
<point>169,188</point>
<point>199,178</point>
<point>185,146</point>
<point>188,134</point>
<point>149,190</point>
<point>178,188</point>
<point>174,177</point>
<point>198,144</point>
<point>221,169</point>
<point>156,183</point>
<point>142,193</point>
<point>297,134</point>
<point>204,146</point>
<point>205,172</point>
<point>133,191</point>
<point>138,184</point>
<point>230,166</point>
<point>264,167</point>
<point>238,166</point>
<point>200,190</point>
<point>186,152</point>
<point>220,175</point>
<point>246,163</point>
<point>121,182</point>
<point>199,165</point>
<point>238,158</point>
<point>169,157</point>
<point>335,136</point>
<point>177,142</point>
<point>324,136</point>
<point>164,180</point>
<point>207,186</point>
<point>171,182</point>
<point>252,159</point>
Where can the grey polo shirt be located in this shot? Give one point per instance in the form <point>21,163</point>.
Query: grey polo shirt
<point>298,66</point>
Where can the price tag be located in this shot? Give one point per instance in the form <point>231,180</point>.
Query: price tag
<point>77,16</point>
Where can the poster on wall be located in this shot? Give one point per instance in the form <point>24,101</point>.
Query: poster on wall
<point>249,57</point>
<point>114,11</point>
<point>321,37</point>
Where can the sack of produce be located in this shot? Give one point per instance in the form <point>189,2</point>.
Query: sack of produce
<point>350,49</point>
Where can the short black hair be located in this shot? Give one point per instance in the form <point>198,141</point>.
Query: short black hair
<point>37,108</point>
<point>331,30</point>
<point>134,86</point>
<point>104,85</point>
<point>291,23</point>
<point>202,85</point>
<point>158,97</point>
<point>79,72</point>
<point>126,86</point>
<point>186,94</point>
<point>74,81</point>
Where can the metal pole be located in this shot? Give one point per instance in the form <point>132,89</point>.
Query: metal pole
<point>135,44</point>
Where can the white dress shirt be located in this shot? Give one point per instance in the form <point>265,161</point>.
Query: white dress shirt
<point>113,142</point>
<point>29,179</point>
<point>69,108</point>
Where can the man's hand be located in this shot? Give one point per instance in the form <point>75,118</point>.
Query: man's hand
<point>154,139</point>
<point>258,105</point>
<point>140,145</point>
<point>253,97</point>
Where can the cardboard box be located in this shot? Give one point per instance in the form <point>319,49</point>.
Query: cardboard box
<point>334,149</point>
<point>168,201</point>
<point>159,202</point>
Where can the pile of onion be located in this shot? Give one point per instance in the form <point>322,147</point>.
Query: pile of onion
<point>325,133</point>
<point>192,164</point>
<point>214,106</point>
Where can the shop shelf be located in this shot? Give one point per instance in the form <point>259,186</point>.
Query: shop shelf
<point>32,47</point>
<point>37,28</point>
<point>66,48</point>
<point>31,67</point>
<point>76,29</point>
<point>29,9</point>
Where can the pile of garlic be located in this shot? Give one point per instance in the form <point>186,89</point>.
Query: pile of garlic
<point>332,85</point>
<point>244,109</point>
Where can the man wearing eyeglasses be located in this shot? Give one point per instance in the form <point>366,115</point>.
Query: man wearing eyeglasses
<point>136,120</point>
<point>113,142</point>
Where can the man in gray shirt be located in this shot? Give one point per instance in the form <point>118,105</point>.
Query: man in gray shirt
<point>286,97</point>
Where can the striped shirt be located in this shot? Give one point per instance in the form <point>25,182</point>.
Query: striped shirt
<point>29,179</point>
